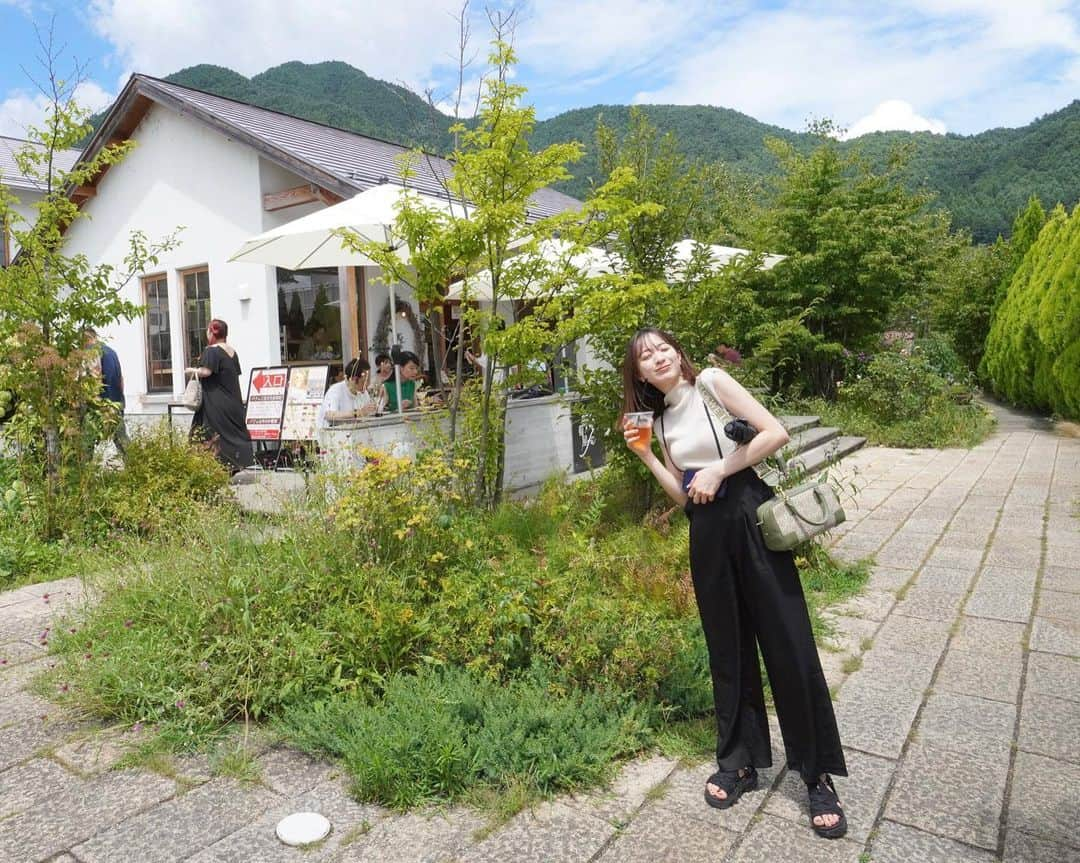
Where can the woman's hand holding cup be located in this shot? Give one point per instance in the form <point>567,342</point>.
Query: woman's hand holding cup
<point>637,431</point>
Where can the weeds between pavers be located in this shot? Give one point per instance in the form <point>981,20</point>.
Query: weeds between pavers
<point>439,651</point>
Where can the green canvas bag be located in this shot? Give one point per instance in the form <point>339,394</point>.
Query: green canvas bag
<point>798,514</point>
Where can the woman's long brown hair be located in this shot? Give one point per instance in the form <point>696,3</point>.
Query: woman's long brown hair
<point>638,395</point>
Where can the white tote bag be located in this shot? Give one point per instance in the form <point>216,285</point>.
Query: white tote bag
<point>192,397</point>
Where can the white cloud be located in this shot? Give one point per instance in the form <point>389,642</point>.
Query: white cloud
<point>21,109</point>
<point>569,37</point>
<point>399,41</point>
<point>953,58</point>
<point>894,115</point>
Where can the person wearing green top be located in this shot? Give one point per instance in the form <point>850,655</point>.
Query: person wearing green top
<point>409,370</point>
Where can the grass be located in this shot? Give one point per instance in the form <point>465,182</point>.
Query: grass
<point>444,734</point>
<point>355,832</point>
<point>237,762</point>
<point>851,664</point>
<point>689,740</point>
<point>828,581</point>
<point>950,425</point>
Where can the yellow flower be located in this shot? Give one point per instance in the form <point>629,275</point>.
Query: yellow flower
<point>437,557</point>
<point>400,533</point>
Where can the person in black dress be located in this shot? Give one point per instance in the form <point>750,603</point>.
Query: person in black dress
<point>220,421</point>
<point>747,595</point>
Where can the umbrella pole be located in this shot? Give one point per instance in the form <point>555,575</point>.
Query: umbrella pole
<point>394,344</point>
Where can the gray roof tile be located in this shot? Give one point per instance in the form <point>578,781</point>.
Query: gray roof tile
<point>355,160</point>
<point>13,178</point>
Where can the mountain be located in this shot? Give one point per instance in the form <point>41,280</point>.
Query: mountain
<point>333,93</point>
<point>983,179</point>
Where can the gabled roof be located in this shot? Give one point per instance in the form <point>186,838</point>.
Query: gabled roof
<point>341,162</point>
<point>13,178</point>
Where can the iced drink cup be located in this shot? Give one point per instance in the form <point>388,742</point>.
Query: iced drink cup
<point>641,421</point>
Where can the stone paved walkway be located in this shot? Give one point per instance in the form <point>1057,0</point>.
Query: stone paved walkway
<point>958,675</point>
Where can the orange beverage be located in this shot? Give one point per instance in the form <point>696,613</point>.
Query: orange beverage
<point>642,422</point>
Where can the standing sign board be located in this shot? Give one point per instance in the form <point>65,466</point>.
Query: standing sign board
<point>588,447</point>
<point>307,386</point>
<point>266,402</point>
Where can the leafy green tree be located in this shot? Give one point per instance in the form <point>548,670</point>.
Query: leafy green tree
<point>857,243</point>
<point>47,299</point>
<point>1025,231</point>
<point>1033,350</point>
<point>696,199</point>
<point>487,236</point>
<point>963,302</point>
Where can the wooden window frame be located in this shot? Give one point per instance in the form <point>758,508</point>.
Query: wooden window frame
<point>182,297</point>
<point>143,284</point>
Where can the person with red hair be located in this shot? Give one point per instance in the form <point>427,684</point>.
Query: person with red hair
<point>220,420</point>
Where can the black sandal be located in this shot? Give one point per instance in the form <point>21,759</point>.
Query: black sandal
<point>824,801</point>
<point>733,783</point>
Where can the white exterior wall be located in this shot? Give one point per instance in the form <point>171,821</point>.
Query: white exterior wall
<point>24,207</point>
<point>184,173</point>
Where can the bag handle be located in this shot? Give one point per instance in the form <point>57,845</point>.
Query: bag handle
<point>819,496</point>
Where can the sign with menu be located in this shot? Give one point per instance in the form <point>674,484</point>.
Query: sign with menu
<point>266,402</point>
<point>303,396</point>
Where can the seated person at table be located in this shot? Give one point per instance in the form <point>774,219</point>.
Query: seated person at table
<point>409,370</point>
<point>384,368</point>
<point>348,399</point>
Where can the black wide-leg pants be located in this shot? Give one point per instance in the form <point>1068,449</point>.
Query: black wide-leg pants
<point>748,596</point>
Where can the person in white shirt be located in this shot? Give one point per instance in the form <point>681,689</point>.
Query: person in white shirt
<point>346,400</point>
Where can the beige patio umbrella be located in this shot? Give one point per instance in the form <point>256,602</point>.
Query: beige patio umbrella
<point>315,241</point>
<point>590,263</point>
<point>718,257</point>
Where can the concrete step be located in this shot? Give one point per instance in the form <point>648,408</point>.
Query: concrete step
<point>831,451</point>
<point>796,424</point>
<point>808,439</point>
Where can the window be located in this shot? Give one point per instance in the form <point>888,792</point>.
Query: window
<point>159,372</point>
<point>196,286</point>
<point>309,314</point>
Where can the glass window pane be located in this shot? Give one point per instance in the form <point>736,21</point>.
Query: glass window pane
<point>196,313</point>
<point>309,315</point>
<point>158,336</point>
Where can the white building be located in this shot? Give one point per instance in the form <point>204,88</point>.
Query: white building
<point>226,171</point>
<point>27,190</point>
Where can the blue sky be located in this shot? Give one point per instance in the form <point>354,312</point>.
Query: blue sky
<point>944,65</point>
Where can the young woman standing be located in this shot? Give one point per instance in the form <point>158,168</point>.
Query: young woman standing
<point>746,594</point>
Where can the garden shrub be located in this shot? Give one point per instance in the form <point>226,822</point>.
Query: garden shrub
<point>896,399</point>
<point>437,733</point>
<point>22,553</point>
<point>894,387</point>
<point>397,579</point>
<point>434,646</point>
<point>1032,354</point>
<point>941,358</point>
<point>164,479</point>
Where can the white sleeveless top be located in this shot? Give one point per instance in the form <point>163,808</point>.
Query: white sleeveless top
<point>685,433</point>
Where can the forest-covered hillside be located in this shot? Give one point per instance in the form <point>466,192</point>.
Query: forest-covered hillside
<point>983,180</point>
